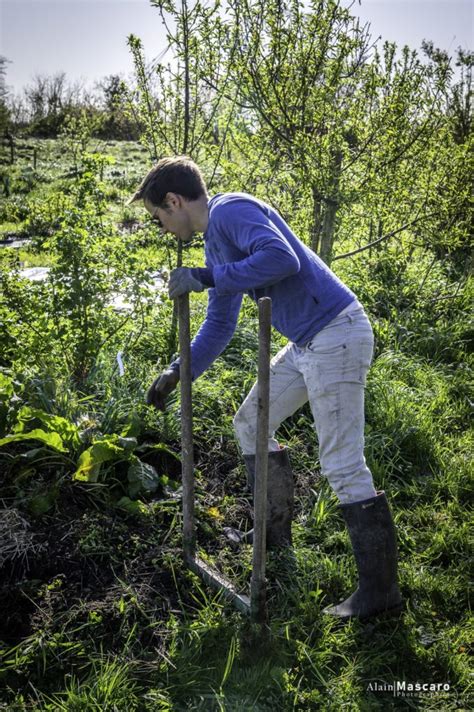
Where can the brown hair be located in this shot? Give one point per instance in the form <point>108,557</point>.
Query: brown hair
<point>177,174</point>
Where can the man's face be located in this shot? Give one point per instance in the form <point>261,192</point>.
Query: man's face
<point>173,218</point>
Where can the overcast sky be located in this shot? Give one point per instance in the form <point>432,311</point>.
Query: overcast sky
<point>87,38</point>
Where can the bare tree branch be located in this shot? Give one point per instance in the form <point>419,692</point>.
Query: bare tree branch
<point>381,239</point>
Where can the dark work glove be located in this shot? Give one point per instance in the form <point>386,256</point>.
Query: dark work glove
<point>182,281</point>
<point>161,388</point>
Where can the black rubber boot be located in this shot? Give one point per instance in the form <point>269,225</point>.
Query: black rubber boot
<point>373,538</point>
<point>280,497</point>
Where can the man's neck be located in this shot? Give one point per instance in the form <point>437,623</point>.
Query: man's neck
<point>200,214</point>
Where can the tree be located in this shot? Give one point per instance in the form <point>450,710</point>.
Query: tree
<point>299,71</point>
<point>117,123</point>
<point>331,121</point>
<point>5,118</point>
<point>49,100</point>
<point>179,103</point>
<point>4,93</point>
<point>449,172</point>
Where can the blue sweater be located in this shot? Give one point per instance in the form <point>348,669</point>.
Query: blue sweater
<point>251,250</point>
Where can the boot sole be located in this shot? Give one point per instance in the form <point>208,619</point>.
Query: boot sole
<point>391,612</point>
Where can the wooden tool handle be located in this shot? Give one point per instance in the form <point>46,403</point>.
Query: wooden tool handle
<point>187,458</point>
<point>258,583</point>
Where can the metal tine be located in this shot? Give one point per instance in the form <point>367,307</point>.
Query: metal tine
<point>197,565</point>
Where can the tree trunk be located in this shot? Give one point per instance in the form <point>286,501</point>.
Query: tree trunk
<point>11,143</point>
<point>316,223</point>
<point>327,233</point>
<point>332,206</point>
<point>187,116</point>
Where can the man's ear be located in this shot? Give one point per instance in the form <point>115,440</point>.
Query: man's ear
<point>172,200</point>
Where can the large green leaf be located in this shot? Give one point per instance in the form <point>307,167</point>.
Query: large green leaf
<point>6,393</point>
<point>42,503</point>
<point>128,443</point>
<point>53,440</point>
<point>134,426</point>
<point>55,423</point>
<point>132,506</point>
<point>6,386</point>
<point>160,447</point>
<point>142,478</point>
<point>91,459</point>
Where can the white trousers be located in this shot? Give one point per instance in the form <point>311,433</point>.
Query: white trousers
<point>330,372</point>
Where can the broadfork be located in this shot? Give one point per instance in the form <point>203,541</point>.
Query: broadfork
<point>255,605</point>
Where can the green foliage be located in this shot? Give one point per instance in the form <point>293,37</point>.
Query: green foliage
<point>76,132</point>
<point>116,120</point>
<point>53,440</point>
<point>44,215</point>
<point>177,108</point>
<point>106,449</point>
<point>142,478</point>
<point>4,109</point>
<point>101,460</point>
<point>92,263</point>
<point>13,210</point>
<point>109,686</point>
<point>6,393</point>
<point>99,611</point>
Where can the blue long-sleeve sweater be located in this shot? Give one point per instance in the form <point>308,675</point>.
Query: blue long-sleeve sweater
<point>250,249</point>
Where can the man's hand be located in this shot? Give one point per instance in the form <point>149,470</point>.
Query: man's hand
<point>161,388</point>
<point>182,281</point>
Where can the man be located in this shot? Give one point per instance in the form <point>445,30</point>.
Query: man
<point>250,249</point>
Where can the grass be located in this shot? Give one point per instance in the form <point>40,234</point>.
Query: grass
<point>188,649</point>
<point>99,612</point>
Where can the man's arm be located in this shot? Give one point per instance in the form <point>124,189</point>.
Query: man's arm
<point>270,256</point>
<point>215,332</point>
